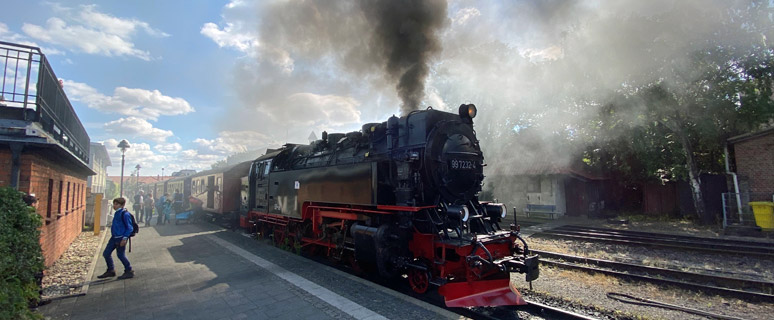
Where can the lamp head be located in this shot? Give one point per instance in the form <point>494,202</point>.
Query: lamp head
<point>123,145</point>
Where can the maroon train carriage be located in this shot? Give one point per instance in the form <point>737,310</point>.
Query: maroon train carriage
<point>220,191</point>
<point>399,198</point>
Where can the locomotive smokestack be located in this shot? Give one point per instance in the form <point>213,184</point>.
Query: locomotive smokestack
<point>405,38</point>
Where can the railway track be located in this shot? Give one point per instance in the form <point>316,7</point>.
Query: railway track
<point>533,308</point>
<point>735,287</point>
<point>727,246</point>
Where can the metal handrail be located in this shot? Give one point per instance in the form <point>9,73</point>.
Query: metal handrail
<point>52,108</point>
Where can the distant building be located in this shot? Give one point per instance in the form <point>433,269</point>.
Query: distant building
<point>184,173</point>
<point>753,155</point>
<point>44,148</point>
<point>546,186</point>
<point>98,161</point>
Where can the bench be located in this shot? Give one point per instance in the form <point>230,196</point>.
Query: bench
<point>540,209</point>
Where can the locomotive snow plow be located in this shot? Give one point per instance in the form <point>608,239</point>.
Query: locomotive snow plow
<point>490,292</point>
<point>478,268</point>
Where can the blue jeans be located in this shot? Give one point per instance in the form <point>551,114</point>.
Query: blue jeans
<point>113,244</point>
<point>148,215</point>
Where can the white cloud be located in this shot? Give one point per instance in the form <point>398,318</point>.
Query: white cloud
<point>549,53</point>
<point>92,32</point>
<point>194,160</point>
<point>113,25</point>
<point>136,128</point>
<point>140,103</point>
<point>168,147</point>
<point>138,153</point>
<point>7,35</point>
<point>235,3</point>
<point>228,37</point>
<point>313,109</point>
<point>466,14</point>
<point>230,142</point>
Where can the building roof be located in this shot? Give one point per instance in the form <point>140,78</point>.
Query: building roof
<point>100,151</point>
<point>143,179</point>
<point>537,168</point>
<point>751,135</point>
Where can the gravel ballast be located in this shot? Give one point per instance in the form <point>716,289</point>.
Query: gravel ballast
<point>68,273</point>
<point>561,287</point>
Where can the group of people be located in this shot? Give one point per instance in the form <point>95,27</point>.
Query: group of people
<point>144,207</point>
<point>121,229</point>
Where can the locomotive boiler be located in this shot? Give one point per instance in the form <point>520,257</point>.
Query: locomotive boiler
<point>398,198</point>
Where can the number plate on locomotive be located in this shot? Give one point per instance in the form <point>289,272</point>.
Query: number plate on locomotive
<point>462,164</point>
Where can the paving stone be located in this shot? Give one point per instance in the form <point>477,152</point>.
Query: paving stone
<point>182,273</point>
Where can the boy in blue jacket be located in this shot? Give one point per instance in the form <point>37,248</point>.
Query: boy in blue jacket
<point>119,235</point>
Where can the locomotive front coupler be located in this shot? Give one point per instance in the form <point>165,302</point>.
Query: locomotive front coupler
<point>529,266</point>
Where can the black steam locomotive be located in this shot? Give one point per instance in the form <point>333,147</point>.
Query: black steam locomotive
<point>397,198</point>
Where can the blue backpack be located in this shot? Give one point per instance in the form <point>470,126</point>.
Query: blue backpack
<point>134,223</point>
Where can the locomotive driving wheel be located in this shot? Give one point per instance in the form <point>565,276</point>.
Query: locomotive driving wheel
<point>419,280</point>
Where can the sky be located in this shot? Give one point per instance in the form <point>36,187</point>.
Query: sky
<point>188,83</point>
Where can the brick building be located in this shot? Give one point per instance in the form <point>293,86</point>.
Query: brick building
<point>753,160</point>
<point>44,149</point>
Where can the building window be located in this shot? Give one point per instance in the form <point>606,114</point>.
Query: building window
<point>533,184</point>
<point>59,203</point>
<point>67,199</point>
<point>50,197</point>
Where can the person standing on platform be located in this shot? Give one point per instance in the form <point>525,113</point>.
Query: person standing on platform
<point>148,206</point>
<point>120,232</point>
<point>160,208</point>
<point>167,210</point>
<point>138,203</point>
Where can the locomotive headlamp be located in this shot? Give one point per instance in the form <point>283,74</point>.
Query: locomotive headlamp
<point>458,212</point>
<point>468,111</point>
<point>495,210</point>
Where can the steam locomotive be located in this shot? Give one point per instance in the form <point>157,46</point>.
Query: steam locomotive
<point>398,198</point>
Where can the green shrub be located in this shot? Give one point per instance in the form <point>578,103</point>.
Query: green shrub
<point>20,256</point>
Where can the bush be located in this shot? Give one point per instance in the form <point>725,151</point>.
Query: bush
<point>20,256</point>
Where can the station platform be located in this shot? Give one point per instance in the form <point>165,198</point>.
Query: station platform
<point>200,271</point>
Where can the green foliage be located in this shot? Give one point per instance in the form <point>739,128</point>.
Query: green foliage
<point>111,190</point>
<point>639,132</point>
<point>20,256</point>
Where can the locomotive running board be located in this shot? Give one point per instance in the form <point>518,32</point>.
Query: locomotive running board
<point>481,294</point>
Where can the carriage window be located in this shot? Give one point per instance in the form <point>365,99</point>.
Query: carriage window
<point>268,167</point>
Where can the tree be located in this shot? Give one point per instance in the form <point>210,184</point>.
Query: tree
<point>219,164</point>
<point>677,128</point>
<point>111,190</point>
<point>21,257</point>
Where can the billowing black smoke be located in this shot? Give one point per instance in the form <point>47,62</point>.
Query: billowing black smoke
<point>405,37</point>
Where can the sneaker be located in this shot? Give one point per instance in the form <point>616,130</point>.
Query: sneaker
<point>107,274</point>
<point>127,275</point>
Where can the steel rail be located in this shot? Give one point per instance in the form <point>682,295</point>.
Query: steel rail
<point>727,282</point>
<point>654,243</point>
<point>554,312</point>
<point>719,243</point>
<point>742,294</point>
<point>764,246</point>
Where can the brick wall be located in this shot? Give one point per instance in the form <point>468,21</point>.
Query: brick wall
<point>61,194</point>
<point>755,163</point>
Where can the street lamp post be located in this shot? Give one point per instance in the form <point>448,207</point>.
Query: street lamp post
<point>123,145</point>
